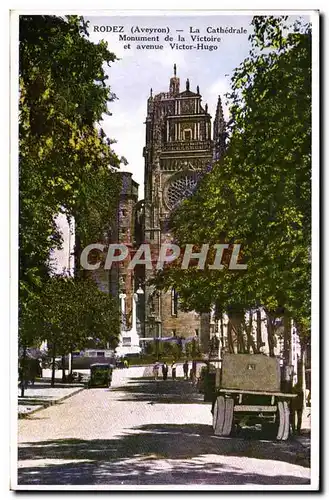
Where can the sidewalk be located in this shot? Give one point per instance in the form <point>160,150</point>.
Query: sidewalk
<point>41,395</point>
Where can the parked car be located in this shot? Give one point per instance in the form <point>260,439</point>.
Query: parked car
<point>100,375</point>
<point>82,360</point>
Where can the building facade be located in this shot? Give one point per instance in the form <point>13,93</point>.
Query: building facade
<point>181,145</point>
<point>123,282</point>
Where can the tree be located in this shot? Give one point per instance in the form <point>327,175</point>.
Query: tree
<point>69,311</point>
<point>66,163</point>
<point>258,195</point>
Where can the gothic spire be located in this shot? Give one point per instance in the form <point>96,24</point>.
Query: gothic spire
<point>219,136</point>
<point>219,123</point>
<point>174,83</point>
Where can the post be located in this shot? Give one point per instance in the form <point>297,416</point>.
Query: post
<point>52,383</point>
<point>134,315</point>
<point>157,348</point>
<point>70,363</point>
<point>122,297</point>
<point>23,372</point>
<point>63,369</point>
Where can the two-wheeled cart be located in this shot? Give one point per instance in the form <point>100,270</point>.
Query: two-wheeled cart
<point>249,391</point>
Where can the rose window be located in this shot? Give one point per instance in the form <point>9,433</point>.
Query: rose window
<point>180,188</point>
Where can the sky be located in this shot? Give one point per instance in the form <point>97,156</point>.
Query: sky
<point>137,71</point>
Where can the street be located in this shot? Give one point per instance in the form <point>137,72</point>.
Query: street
<point>147,432</point>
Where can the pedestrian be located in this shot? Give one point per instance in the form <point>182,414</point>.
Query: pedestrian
<point>297,404</point>
<point>185,369</point>
<point>156,370</point>
<point>164,371</point>
<point>173,370</point>
<point>32,371</point>
<point>39,368</point>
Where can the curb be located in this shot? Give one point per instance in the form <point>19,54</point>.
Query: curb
<point>50,403</point>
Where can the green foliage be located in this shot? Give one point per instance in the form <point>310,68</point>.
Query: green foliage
<point>66,163</point>
<point>259,194</point>
<point>192,350</point>
<point>68,311</point>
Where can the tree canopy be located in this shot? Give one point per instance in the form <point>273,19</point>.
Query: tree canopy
<point>259,193</point>
<point>66,163</point>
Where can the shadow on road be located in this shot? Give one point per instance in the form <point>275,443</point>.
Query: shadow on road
<point>157,454</point>
<point>158,391</point>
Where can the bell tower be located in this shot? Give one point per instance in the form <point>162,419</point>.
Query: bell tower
<point>179,149</point>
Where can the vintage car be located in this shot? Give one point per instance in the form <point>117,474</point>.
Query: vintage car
<point>82,360</point>
<point>100,375</point>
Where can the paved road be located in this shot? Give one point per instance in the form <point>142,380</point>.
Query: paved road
<point>146,432</point>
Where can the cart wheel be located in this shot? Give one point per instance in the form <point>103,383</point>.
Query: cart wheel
<point>280,429</point>
<point>284,421</point>
<point>223,416</point>
<point>218,416</point>
<point>229,406</point>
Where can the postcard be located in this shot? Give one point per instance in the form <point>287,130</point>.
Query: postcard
<point>167,163</point>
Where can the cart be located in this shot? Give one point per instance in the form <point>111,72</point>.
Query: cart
<point>249,390</point>
<point>100,375</point>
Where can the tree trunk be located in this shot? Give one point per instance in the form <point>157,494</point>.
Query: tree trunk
<point>259,330</point>
<point>63,369</point>
<point>286,340</point>
<point>222,332</point>
<point>242,345</point>
<point>270,333</point>
<point>77,252</point>
<point>250,339</point>
<point>23,372</point>
<point>53,365</point>
<point>237,322</point>
<point>301,374</point>
<point>71,364</point>
<point>230,338</point>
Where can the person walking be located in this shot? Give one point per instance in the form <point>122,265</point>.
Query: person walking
<point>297,404</point>
<point>173,370</point>
<point>156,370</point>
<point>185,369</point>
<point>164,371</point>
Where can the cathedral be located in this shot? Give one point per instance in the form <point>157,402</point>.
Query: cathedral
<point>180,145</point>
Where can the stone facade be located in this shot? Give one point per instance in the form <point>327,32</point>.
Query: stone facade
<point>123,230</point>
<point>178,151</point>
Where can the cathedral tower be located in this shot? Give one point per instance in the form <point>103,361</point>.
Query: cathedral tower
<point>179,148</point>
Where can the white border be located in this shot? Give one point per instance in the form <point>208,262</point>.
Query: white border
<point>315,290</point>
<point>315,230</point>
<point>14,92</point>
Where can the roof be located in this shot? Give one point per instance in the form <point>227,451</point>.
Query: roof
<point>101,365</point>
<point>188,93</point>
